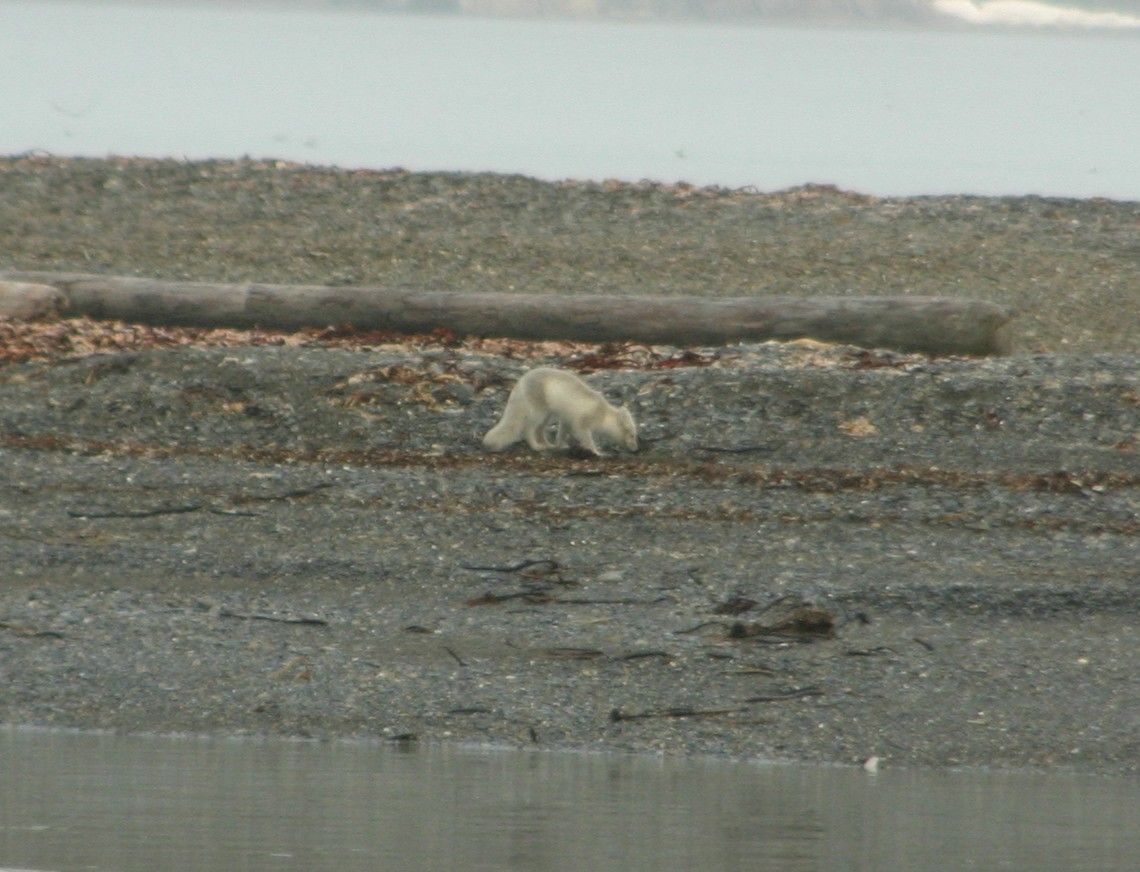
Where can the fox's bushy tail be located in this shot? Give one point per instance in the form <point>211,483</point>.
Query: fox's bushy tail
<point>508,431</point>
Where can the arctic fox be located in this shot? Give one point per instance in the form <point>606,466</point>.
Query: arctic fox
<point>547,397</point>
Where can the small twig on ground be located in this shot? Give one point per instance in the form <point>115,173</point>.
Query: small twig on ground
<point>455,656</point>
<point>536,596</point>
<point>532,596</point>
<point>781,696</point>
<point>135,513</point>
<point>256,616</point>
<point>678,712</point>
<point>869,652</point>
<point>699,627</point>
<point>30,632</point>
<point>621,601</point>
<point>753,670</point>
<point>573,653</point>
<point>287,495</point>
<point>552,565</point>
<point>735,449</point>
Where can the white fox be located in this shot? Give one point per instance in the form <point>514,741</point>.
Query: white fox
<point>547,397</point>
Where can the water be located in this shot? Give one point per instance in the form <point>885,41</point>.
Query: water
<point>886,112</point>
<point>77,802</point>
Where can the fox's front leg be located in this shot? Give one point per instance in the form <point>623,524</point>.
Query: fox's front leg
<point>585,438</point>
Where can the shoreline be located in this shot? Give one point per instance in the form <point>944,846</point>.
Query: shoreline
<point>475,748</point>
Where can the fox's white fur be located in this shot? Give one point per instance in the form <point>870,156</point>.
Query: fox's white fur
<point>546,397</point>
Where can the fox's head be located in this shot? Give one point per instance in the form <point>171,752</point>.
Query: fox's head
<point>627,428</point>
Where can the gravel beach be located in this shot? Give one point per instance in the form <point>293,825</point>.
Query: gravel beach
<point>819,553</point>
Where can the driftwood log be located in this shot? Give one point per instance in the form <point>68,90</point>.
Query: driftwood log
<point>933,325</point>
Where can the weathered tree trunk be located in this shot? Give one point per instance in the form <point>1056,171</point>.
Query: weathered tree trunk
<point>933,325</point>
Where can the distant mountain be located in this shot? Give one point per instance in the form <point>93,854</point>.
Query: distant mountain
<point>665,10</point>
<point>1115,14</point>
<point>711,10</point>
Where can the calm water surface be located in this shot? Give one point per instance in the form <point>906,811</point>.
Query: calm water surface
<point>78,802</point>
<point>887,112</point>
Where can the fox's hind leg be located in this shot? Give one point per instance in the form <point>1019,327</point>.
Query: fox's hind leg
<point>561,437</point>
<point>542,434</point>
<point>535,434</point>
<point>554,432</point>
